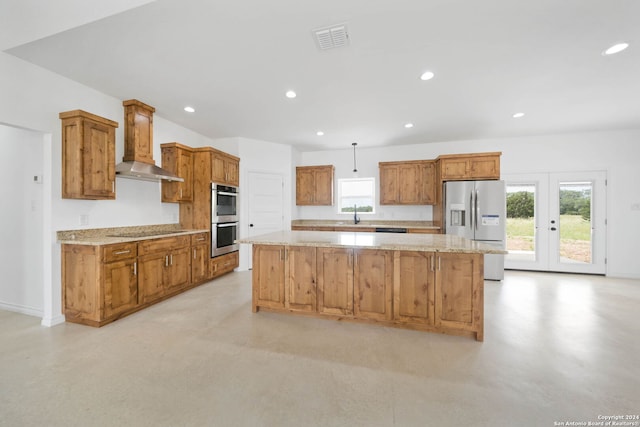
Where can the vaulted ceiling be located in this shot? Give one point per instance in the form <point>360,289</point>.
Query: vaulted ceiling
<point>233,62</point>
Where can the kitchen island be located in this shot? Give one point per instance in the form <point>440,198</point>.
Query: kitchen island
<point>428,282</point>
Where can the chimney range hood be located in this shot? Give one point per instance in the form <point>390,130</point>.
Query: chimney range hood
<point>137,162</point>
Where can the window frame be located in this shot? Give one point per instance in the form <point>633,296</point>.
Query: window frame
<point>372,195</point>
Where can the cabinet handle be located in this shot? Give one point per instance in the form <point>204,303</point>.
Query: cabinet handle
<point>194,254</point>
<point>439,263</point>
<point>181,193</point>
<point>171,259</point>
<point>166,260</point>
<point>113,186</point>
<point>432,263</point>
<point>122,252</point>
<point>135,268</point>
<point>201,239</point>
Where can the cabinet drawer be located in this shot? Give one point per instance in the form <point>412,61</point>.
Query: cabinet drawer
<point>119,251</point>
<point>200,238</point>
<point>159,245</point>
<point>224,263</point>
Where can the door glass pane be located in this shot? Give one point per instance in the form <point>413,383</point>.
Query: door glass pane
<point>575,222</point>
<point>521,222</point>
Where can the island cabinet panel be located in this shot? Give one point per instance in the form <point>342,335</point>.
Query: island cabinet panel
<point>458,291</point>
<point>300,285</point>
<point>414,287</point>
<point>373,284</point>
<point>335,281</point>
<point>268,276</point>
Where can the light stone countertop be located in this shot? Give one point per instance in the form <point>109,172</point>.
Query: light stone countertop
<point>367,240</point>
<point>115,235</point>
<point>364,223</point>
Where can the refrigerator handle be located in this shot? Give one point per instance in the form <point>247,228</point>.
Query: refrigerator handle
<point>471,210</point>
<point>475,208</point>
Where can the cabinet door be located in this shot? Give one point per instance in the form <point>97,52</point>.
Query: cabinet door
<point>485,167</point>
<point>458,291</point>
<point>218,173</point>
<point>99,163</point>
<point>178,272</point>
<point>428,183</point>
<point>389,184</point>
<point>180,162</point>
<point>304,186</point>
<point>323,186</point>
<point>373,284</point>
<point>151,276</point>
<point>454,168</point>
<point>268,276</point>
<point>335,281</point>
<point>300,286</point>
<point>409,184</point>
<point>199,263</point>
<point>138,132</point>
<point>233,172</point>
<point>414,287</point>
<point>120,287</point>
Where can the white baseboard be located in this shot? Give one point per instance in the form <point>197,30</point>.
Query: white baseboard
<point>30,311</point>
<point>53,321</point>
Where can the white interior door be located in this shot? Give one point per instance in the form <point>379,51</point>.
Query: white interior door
<point>556,222</point>
<point>266,204</point>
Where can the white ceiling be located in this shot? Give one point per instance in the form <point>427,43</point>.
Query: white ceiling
<point>233,61</point>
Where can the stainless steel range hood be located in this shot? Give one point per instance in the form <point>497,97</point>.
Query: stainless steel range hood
<point>138,162</point>
<point>144,172</point>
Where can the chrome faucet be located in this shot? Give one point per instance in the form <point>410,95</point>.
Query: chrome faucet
<point>355,214</point>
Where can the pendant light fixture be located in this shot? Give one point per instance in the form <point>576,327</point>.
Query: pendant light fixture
<point>354,157</point>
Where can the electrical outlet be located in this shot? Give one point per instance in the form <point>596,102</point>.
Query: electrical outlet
<point>84,219</point>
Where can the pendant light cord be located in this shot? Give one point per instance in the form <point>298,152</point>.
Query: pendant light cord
<point>354,156</point>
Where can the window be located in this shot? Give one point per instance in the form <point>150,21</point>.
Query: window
<point>356,192</point>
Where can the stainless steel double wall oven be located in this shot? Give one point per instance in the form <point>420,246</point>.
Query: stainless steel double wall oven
<point>224,219</point>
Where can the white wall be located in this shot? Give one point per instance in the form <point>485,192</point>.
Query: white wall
<point>615,152</point>
<point>21,221</point>
<point>266,157</point>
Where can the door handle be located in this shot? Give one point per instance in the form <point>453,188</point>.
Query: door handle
<point>552,229</point>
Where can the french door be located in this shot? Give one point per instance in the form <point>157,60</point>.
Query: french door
<point>556,222</point>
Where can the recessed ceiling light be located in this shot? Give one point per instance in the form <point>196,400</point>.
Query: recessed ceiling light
<point>427,75</point>
<point>616,48</point>
<point>319,133</point>
<point>518,115</point>
<point>290,94</point>
<point>189,109</point>
<point>408,125</point>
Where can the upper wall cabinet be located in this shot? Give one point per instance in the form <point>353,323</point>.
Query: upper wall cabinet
<point>407,183</point>
<point>470,166</point>
<point>225,169</point>
<point>138,134</point>
<point>88,156</point>
<point>314,185</point>
<point>177,158</point>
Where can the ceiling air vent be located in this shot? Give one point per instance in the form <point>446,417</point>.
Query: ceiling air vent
<point>332,37</point>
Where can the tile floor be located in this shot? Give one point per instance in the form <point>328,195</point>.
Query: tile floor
<point>557,348</point>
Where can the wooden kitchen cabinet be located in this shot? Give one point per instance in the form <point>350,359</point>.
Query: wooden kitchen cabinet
<point>335,281</point>
<point>414,287</point>
<point>223,264</point>
<point>373,284</point>
<point>300,278</point>
<point>268,276</point>
<point>472,166</point>
<point>164,267</point>
<point>407,183</point>
<point>177,158</point>
<point>88,156</point>
<point>314,185</point>
<point>225,169</point>
<point>99,282</point>
<point>200,255</point>
<point>138,133</point>
<point>459,290</point>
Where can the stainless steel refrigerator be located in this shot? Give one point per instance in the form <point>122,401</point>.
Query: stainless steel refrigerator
<point>476,210</point>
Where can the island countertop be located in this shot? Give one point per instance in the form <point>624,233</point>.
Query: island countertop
<point>387,241</point>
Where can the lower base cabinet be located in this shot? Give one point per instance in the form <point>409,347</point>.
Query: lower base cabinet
<point>438,292</point>
<point>103,283</point>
